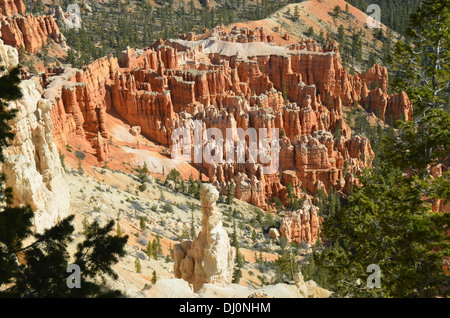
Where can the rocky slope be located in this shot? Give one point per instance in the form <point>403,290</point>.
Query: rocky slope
<point>106,194</point>
<point>32,166</point>
<point>318,16</point>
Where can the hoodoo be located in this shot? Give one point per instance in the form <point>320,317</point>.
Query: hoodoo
<point>210,257</point>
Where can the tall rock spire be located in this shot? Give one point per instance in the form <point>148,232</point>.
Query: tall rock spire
<point>210,257</point>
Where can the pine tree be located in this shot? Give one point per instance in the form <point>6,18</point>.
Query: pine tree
<point>137,265</point>
<point>389,219</point>
<point>237,275</point>
<point>145,169</point>
<point>80,167</point>
<point>343,45</point>
<point>149,249</point>
<point>142,223</point>
<point>387,215</point>
<point>372,59</point>
<point>296,16</point>
<point>286,266</point>
<point>119,230</point>
<point>38,7</point>
<point>193,232</point>
<point>290,193</point>
<point>254,237</point>
<point>155,249</point>
<point>421,67</point>
<point>387,46</point>
<point>22,53</point>
<point>191,184</point>
<point>269,219</point>
<point>284,92</point>
<point>321,38</point>
<point>174,175</point>
<point>72,58</point>
<point>394,13</point>
<point>310,32</point>
<point>44,52</point>
<point>230,193</point>
<point>336,11</point>
<point>278,204</point>
<point>357,46</point>
<point>47,257</point>
<point>9,91</point>
<point>341,34</point>
<point>234,239</point>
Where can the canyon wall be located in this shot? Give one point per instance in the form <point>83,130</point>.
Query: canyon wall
<point>300,89</point>
<point>32,166</point>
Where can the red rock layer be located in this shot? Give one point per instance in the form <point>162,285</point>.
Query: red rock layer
<point>29,31</point>
<point>81,99</point>
<point>11,7</point>
<point>389,108</point>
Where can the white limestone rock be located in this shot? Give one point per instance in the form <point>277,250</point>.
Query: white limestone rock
<point>210,257</point>
<point>32,166</point>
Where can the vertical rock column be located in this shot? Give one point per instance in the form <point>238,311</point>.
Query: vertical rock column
<point>210,257</point>
<point>302,226</point>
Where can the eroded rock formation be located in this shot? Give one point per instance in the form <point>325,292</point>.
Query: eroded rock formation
<point>19,29</point>
<point>11,7</point>
<point>210,257</point>
<point>32,166</point>
<point>232,84</point>
<point>301,226</point>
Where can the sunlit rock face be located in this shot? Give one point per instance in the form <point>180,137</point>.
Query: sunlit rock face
<point>210,257</point>
<point>229,81</point>
<point>11,7</point>
<point>301,226</point>
<point>32,166</point>
<point>19,29</point>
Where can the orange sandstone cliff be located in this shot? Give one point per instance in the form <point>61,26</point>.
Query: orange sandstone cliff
<point>19,29</point>
<point>11,7</point>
